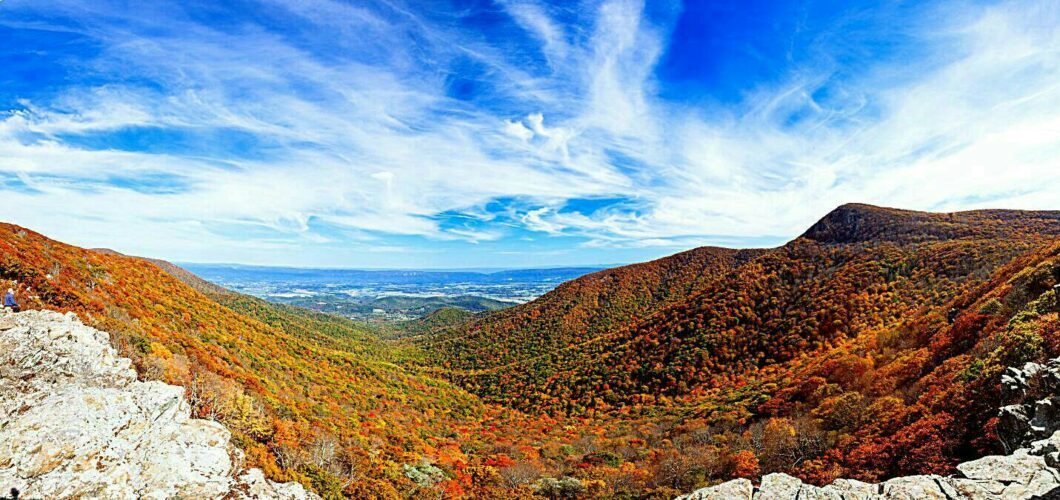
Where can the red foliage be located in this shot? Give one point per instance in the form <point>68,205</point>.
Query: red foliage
<point>831,356</point>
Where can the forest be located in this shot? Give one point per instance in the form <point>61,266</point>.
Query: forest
<point>869,347</point>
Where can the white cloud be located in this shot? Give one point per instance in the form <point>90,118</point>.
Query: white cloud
<point>377,146</point>
<point>534,19</point>
<point>972,129</point>
<point>518,130</point>
<point>624,52</point>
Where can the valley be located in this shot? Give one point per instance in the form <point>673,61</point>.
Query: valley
<point>381,296</point>
<point>868,348</point>
<point>530,249</point>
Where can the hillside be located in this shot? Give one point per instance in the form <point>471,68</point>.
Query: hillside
<point>698,320</point>
<point>868,348</point>
<point>805,338</point>
<point>579,310</point>
<point>1027,471</point>
<point>308,397</point>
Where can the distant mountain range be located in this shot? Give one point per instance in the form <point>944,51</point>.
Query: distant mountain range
<point>867,348</point>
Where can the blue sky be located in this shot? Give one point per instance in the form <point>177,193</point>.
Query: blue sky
<point>512,133</point>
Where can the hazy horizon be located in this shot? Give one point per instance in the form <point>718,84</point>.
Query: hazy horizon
<point>480,270</point>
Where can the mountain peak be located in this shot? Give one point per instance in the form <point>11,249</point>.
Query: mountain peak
<point>856,222</point>
<point>860,223</point>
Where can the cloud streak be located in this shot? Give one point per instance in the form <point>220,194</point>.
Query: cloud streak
<point>322,124</point>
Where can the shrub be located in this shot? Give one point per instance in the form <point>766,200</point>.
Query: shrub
<point>423,474</point>
<point>565,487</point>
<point>992,307</point>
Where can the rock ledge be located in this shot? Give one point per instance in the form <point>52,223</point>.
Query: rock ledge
<point>75,422</point>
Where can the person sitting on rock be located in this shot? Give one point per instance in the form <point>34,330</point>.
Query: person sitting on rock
<point>9,301</point>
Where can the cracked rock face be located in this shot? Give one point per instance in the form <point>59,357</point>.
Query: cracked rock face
<point>75,422</point>
<point>1030,427</point>
<point>1034,414</point>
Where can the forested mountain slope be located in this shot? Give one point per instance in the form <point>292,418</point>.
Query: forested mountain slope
<point>608,340</point>
<point>579,310</point>
<point>869,347</point>
<point>309,397</point>
<point>921,395</point>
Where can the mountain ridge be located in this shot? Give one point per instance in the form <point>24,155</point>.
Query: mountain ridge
<point>285,381</point>
<point>732,350</point>
<point>860,222</point>
<point>846,225</point>
<point>870,355</point>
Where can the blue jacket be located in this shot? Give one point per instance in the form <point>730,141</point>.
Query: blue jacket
<point>9,300</point>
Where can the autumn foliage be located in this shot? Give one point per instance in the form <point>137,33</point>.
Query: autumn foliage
<point>877,337</point>
<point>309,397</point>
<point>869,347</point>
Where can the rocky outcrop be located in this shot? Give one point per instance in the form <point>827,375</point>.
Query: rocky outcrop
<point>1029,426</point>
<point>76,423</point>
<point>1034,412</point>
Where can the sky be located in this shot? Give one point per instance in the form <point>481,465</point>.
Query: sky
<point>512,133</point>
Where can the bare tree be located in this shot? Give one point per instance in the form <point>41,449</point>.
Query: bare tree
<point>519,474</point>
<point>323,451</point>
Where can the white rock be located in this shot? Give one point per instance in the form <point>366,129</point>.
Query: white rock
<point>913,487</point>
<point>77,423</point>
<point>737,489</point>
<point>252,484</point>
<point>1043,482</point>
<point>976,489</point>
<point>1018,467</point>
<point>852,489</point>
<point>811,492</point>
<point>778,487</point>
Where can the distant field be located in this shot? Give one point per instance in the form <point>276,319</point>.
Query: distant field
<point>388,295</point>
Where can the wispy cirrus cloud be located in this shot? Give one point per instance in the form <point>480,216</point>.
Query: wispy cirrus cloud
<point>322,129</point>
